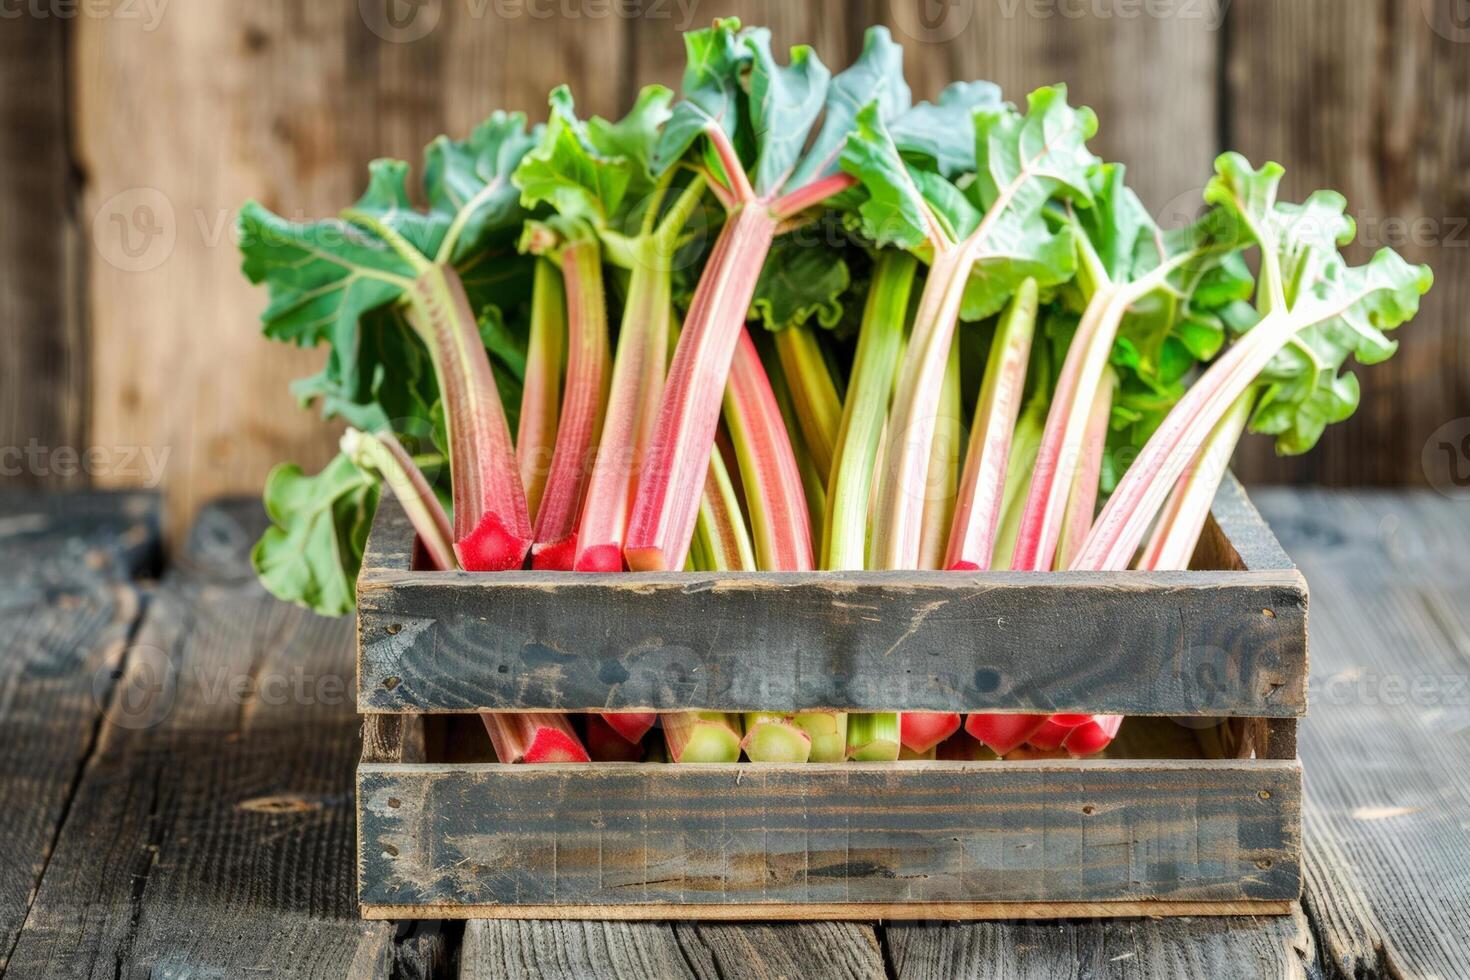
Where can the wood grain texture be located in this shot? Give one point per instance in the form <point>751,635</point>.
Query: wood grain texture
<point>43,344</point>
<point>1149,71</point>
<point>1386,748</point>
<point>67,608</point>
<point>1370,98</point>
<point>1138,643</point>
<point>565,950</point>
<point>212,831</point>
<point>610,835</point>
<point>1279,947</point>
<point>283,102</point>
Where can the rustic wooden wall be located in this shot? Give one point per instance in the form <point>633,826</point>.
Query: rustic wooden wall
<point>156,126</point>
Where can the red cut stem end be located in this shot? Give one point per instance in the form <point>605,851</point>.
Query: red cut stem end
<point>920,731</point>
<point>1003,733</point>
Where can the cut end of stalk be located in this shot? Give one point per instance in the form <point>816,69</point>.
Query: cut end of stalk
<point>649,559</point>
<point>553,745</point>
<point>828,732</point>
<point>1050,736</point>
<point>772,738</point>
<point>492,547</point>
<point>631,725</point>
<point>1004,733</point>
<point>599,558</point>
<point>702,736</point>
<point>527,737</point>
<point>555,556</point>
<point>922,730</point>
<point>606,744</point>
<point>873,737</point>
<point>964,566</point>
<point>1093,736</point>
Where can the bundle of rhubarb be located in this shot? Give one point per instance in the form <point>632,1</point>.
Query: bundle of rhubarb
<point>747,328</point>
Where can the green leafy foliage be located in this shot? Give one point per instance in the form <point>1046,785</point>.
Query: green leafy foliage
<point>312,552</point>
<point>1023,162</point>
<point>801,281</point>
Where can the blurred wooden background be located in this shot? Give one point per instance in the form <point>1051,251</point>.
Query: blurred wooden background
<point>129,133</point>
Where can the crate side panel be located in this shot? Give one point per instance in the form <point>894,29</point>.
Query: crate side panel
<point>1177,643</point>
<point>749,835</point>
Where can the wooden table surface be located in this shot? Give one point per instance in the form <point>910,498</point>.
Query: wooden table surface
<point>177,777</point>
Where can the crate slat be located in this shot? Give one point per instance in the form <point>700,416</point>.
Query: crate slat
<point>1220,643</point>
<point>616,840</point>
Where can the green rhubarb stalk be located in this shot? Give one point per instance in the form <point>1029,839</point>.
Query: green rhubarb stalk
<point>702,736</point>
<point>541,390</point>
<point>944,469</point>
<point>721,540</point>
<point>818,410</point>
<point>827,731</point>
<point>813,481</point>
<point>383,454</point>
<point>880,343</point>
<point>774,738</point>
<point>873,737</point>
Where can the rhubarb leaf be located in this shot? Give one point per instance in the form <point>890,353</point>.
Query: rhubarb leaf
<point>876,75</point>
<point>570,173</point>
<point>941,131</point>
<point>800,281</point>
<point>785,101</point>
<point>1348,310</point>
<point>313,550</point>
<point>710,94</point>
<point>469,187</point>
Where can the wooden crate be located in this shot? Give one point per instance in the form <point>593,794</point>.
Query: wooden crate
<point>1199,815</point>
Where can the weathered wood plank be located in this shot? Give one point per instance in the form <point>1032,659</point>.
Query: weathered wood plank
<point>614,836</point>
<point>1157,643</point>
<point>1385,749</point>
<point>1149,70</point>
<point>212,831</point>
<point>43,348</point>
<point>1278,947</point>
<point>566,950</point>
<point>67,608</point>
<point>285,103</point>
<point>1379,109</point>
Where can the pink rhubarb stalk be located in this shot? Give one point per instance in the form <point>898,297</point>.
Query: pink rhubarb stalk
<point>583,398</point>
<point>533,737</point>
<point>606,744</point>
<point>667,502</point>
<point>982,488</point>
<point>383,453</point>
<point>1082,500</point>
<point>779,520</point>
<point>492,527</point>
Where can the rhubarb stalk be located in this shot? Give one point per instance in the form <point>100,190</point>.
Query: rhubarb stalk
<point>880,342</point>
<point>532,737</point>
<point>583,397</point>
<point>541,389</point>
<point>982,489</point>
<point>788,175</point>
